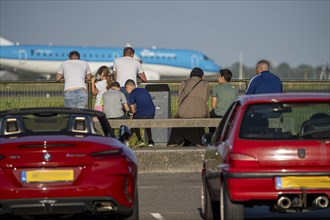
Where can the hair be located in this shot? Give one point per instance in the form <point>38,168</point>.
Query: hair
<point>115,84</point>
<point>74,53</point>
<point>128,51</point>
<point>105,71</point>
<point>197,72</point>
<point>130,82</point>
<point>264,64</point>
<point>227,74</point>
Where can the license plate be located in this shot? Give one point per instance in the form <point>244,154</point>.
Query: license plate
<point>302,182</point>
<point>31,176</point>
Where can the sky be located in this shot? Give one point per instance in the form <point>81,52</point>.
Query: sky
<point>295,32</point>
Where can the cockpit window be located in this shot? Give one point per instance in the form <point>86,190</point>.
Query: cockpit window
<point>205,57</point>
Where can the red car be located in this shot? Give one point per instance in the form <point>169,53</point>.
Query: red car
<point>271,149</point>
<point>63,162</point>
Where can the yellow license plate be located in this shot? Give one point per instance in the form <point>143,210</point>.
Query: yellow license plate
<point>302,182</point>
<point>31,176</point>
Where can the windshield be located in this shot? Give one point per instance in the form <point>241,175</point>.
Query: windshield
<point>286,121</point>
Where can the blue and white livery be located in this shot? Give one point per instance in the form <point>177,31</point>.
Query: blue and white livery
<point>157,63</point>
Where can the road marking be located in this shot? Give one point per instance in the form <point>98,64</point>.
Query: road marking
<point>157,216</point>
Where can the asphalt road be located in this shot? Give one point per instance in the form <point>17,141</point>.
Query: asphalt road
<point>177,197</point>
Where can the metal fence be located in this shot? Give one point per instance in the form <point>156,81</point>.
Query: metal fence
<point>23,94</point>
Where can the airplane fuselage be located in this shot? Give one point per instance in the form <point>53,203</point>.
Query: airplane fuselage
<point>157,63</point>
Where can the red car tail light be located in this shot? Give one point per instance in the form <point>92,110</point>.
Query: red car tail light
<point>243,160</point>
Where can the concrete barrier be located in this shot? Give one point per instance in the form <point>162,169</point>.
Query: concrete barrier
<point>170,159</point>
<point>166,123</point>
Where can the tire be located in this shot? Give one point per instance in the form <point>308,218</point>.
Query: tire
<point>210,209</point>
<point>228,209</point>
<point>207,212</point>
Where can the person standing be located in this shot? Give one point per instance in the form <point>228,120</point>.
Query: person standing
<point>74,72</point>
<point>99,86</point>
<point>114,102</point>
<point>127,67</point>
<point>192,103</point>
<point>265,81</point>
<point>141,107</point>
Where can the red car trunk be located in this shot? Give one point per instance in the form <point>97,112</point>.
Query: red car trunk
<point>285,154</point>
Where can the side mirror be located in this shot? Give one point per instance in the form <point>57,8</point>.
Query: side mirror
<point>207,139</point>
<point>124,133</point>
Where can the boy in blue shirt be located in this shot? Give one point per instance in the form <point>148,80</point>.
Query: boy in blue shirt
<point>141,106</point>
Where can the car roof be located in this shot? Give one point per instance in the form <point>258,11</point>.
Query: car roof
<point>283,97</point>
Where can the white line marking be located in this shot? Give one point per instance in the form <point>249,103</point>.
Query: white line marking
<point>157,216</point>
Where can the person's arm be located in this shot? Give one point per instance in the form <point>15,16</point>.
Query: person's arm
<point>89,77</point>
<point>125,105</point>
<point>132,108</point>
<point>250,89</point>
<point>60,73</point>
<point>143,77</point>
<point>94,89</point>
<point>132,111</point>
<point>214,102</point>
<point>88,73</point>
<point>59,77</point>
<point>114,75</point>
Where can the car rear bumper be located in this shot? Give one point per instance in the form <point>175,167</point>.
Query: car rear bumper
<point>250,186</point>
<point>71,205</point>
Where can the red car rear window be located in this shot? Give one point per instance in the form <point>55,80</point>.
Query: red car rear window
<point>284,121</point>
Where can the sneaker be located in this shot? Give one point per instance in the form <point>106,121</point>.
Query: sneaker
<point>151,144</point>
<point>140,143</point>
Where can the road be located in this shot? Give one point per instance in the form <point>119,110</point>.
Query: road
<point>177,197</point>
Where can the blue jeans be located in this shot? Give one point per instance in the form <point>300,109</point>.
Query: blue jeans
<point>77,98</point>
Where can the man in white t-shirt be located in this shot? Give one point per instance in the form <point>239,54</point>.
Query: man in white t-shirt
<point>126,68</point>
<point>74,72</point>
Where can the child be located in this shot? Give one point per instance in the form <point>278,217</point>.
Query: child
<point>114,102</point>
<point>141,106</point>
<point>100,83</point>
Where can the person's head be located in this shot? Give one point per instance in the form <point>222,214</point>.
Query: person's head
<point>74,55</point>
<point>130,85</point>
<point>103,71</point>
<point>197,72</point>
<point>128,52</point>
<point>115,86</point>
<point>225,75</point>
<point>262,65</point>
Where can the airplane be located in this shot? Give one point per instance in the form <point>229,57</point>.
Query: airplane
<point>157,63</point>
